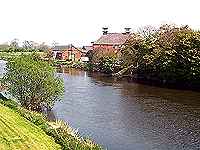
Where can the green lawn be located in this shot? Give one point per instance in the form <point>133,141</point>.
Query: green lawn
<point>16,133</point>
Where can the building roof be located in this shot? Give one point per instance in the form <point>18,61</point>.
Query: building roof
<point>66,47</point>
<point>113,38</point>
<point>87,48</point>
<point>62,47</point>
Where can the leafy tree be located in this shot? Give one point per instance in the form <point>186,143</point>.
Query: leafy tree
<point>14,43</point>
<point>33,82</point>
<point>28,45</point>
<point>104,60</point>
<point>13,46</point>
<point>31,46</point>
<point>148,32</point>
<point>172,54</point>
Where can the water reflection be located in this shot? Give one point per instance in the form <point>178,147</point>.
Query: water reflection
<point>126,116</point>
<point>72,72</point>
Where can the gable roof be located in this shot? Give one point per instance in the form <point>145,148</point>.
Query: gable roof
<point>62,47</point>
<point>66,47</point>
<point>113,38</point>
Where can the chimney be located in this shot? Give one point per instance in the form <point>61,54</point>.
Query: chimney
<point>127,30</point>
<point>105,30</point>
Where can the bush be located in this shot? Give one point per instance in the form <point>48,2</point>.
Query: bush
<point>172,55</point>
<point>104,60</point>
<point>9,103</point>
<point>33,82</point>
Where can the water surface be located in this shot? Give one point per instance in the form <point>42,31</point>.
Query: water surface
<point>127,116</point>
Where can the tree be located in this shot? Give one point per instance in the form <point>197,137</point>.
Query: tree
<point>172,55</point>
<point>133,50</point>
<point>43,47</point>
<point>33,82</point>
<point>14,46</point>
<point>27,45</point>
<point>104,60</point>
<point>14,43</point>
<point>148,32</point>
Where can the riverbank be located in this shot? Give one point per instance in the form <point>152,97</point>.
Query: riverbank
<point>19,133</point>
<point>130,77</point>
<point>53,132</point>
<point>137,78</point>
<point>69,64</point>
<point>159,83</point>
<point>126,115</point>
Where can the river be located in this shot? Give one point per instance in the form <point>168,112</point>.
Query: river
<point>122,115</point>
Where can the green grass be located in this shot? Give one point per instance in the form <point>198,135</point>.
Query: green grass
<point>18,133</point>
<point>67,137</point>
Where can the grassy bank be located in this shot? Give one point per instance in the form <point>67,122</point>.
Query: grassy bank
<point>35,125</point>
<point>18,133</point>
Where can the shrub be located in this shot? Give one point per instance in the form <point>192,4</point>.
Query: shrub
<point>104,60</point>
<point>33,82</point>
<point>171,55</point>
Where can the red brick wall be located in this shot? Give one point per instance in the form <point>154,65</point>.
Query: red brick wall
<point>65,55</point>
<point>77,54</point>
<point>105,48</point>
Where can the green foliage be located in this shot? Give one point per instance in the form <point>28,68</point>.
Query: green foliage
<point>27,46</point>
<point>105,61</point>
<point>89,66</point>
<point>33,82</point>
<point>172,54</point>
<point>11,49</point>
<point>71,64</point>
<point>77,64</point>
<point>9,103</point>
<point>69,138</point>
<point>10,55</point>
<point>106,64</point>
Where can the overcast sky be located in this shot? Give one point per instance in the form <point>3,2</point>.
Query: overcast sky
<point>80,21</point>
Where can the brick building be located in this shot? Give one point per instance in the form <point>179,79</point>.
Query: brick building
<point>67,52</point>
<point>111,42</point>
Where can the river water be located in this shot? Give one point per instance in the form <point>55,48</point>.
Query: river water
<point>122,115</point>
<point>128,116</point>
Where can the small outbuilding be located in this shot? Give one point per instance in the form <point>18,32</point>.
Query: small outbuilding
<point>66,52</point>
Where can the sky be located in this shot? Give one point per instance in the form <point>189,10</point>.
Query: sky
<point>80,21</point>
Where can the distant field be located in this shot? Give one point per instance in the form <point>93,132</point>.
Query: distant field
<point>6,55</point>
<point>16,133</point>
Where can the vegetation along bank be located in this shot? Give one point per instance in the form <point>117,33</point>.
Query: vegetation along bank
<point>168,55</point>
<point>35,86</point>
